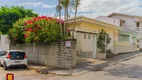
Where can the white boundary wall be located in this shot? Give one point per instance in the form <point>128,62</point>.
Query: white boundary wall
<point>4,42</point>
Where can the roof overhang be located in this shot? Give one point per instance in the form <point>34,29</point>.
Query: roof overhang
<point>140,17</point>
<point>89,20</point>
<point>85,31</point>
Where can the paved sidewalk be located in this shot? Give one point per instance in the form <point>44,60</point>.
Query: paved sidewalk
<point>85,65</point>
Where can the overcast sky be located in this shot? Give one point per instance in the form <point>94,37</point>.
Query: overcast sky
<point>90,8</point>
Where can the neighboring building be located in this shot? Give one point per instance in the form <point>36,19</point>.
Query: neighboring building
<point>86,30</point>
<point>128,31</point>
<point>4,42</point>
<point>132,23</point>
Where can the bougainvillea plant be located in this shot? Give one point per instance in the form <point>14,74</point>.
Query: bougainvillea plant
<point>41,29</point>
<point>16,34</point>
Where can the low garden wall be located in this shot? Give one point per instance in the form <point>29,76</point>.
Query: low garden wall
<point>122,47</point>
<point>54,55</point>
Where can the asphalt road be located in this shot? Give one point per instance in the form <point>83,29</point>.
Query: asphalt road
<point>126,70</point>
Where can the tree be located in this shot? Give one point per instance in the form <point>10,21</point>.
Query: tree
<point>75,3</point>
<point>101,40</point>
<point>65,4</point>
<point>58,9</point>
<point>16,33</point>
<point>8,15</point>
<point>41,29</point>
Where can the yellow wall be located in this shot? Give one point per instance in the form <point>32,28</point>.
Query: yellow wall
<point>113,33</point>
<point>93,25</point>
<point>90,25</point>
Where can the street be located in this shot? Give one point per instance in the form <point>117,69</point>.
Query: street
<point>125,70</point>
<point>24,74</point>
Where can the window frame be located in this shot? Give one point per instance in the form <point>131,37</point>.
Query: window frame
<point>89,36</point>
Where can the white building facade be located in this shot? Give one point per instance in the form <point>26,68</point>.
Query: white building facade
<point>130,33</point>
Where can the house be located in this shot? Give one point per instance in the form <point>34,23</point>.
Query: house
<point>86,30</point>
<point>132,23</point>
<point>128,34</point>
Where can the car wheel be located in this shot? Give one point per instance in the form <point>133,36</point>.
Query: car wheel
<point>4,66</point>
<point>25,66</point>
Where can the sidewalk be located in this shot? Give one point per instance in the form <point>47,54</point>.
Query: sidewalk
<point>86,65</point>
<point>82,67</point>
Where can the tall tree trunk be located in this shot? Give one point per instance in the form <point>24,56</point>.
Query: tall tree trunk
<point>77,1</point>
<point>67,23</point>
<point>60,17</point>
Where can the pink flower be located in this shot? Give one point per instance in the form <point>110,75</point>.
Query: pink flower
<point>30,29</point>
<point>26,35</point>
<point>29,22</point>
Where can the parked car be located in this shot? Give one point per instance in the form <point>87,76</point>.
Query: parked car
<point>2,53</point>
<point>14,58</point>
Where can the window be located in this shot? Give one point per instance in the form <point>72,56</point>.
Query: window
<point>89,36</point>
<point>137,46</point>
<point>17,55</point>
<point>3,53</point>
<point>124,38</point>
<point>138,24</point>
<point>84,36</point>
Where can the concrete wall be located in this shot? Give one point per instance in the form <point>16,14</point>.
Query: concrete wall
<point>54,55</point>
<point>122,47</point>
<point>4,42</point>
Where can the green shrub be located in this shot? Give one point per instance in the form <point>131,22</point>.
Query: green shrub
<point>101,40</point>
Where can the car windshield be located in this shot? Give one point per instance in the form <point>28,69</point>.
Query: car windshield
<point>3,53</point>
<point>17,55</point>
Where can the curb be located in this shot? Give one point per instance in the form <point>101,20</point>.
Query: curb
<point>114,62</point>
<point>38,71</point>
<point>63,74</point>
<point>129,57</point>
<point>52,73</point>
<point>80,73</point>
<point>58,74</point>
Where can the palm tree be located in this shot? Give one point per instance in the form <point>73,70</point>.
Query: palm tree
<point>75,3</point>
<point>65,4</point>
<point>58,8</point>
